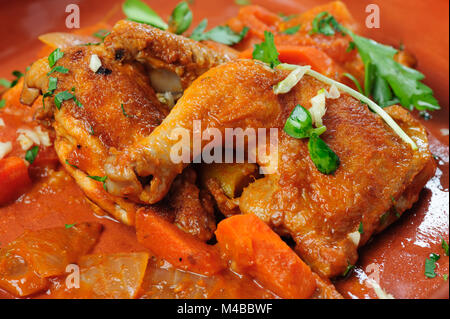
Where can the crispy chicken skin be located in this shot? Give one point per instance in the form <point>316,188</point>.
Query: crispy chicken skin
<point>119,108</point>
<point>131,41</point>
<point>322,213</point>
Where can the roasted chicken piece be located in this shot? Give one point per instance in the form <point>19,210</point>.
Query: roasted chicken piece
<point>113,109</point>
<point>180,60</point>
<point>322,213</point>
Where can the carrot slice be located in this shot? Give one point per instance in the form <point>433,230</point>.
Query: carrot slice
<point>258,251</point>
<point>14,179</point>
<point>304,55</point>
<point>170,243</point>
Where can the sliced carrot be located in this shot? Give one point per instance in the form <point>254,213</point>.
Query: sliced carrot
<point>14,179</point>
<point>304,55</point>
<point>259,252</point>
<point>170,243</point>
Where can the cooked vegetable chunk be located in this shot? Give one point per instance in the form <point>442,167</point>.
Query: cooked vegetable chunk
<point>256,250</point>
<point>14,179</point>
<point>36,255</point>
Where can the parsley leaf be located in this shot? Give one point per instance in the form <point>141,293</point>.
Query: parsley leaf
<point>54,57</point>
<point>61,97</point>
<point>326,24</point>
<point>181,18</point>
<point>123,111</point>
<point>101,179</point>
<point>2,103</point>
<point>71,165</point>
<point>430,265</point>
<point>348,270</point>
<point>386,80</point>
<point>444,245</point>
<point>59,69</point>
<point>267,51</point>
<point>138,11</point>
<point>292,30</point>
<point>361,228</point>
<point>221,34</point>
<point>243,2</point>
<point>67,226</point>
<point>101,34</point>
<point>31,154</point>
<point>5,83</point>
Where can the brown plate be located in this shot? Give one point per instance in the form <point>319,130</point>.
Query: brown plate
<point>396,256</point>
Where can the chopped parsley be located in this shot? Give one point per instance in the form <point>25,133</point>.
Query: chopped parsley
<point>445,276</point>
<point>430,265</point>
<point>71,165</point>
<point>287,18</point>
<point>349,268</point>
<point>138,11</point>
<point>101,34</point>
<point>355,81</point>
<point>444,245</point>
<point>384,218</point>
<point>361,228</point>
<point>243,2</point>
<point>65,96</point>
<point>5,83</point>
<point>67,226</point>
<point>221,34</point>
<point>267,51</point>
<point>31,154</point>
<point>59,69</point>
<point>54,57</point>
<point>325,23</point>
<point>181,18</point>
<point>2,103</point>
<point>123,111</point>
<point>101,179</point>
<point>10,84</point>
<point>292,30</point>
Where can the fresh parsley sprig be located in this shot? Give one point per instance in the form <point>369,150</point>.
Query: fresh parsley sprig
<point>430,265</point>
<point>181,18</point>
<point>386,81</point>
<point>31,154</point>
<point>299,125</point>
<point>267,51</point>
<point>138,11</point>
<point>221,34</point>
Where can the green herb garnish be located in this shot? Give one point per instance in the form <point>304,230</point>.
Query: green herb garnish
<point>5,83</point>
<point>267,51</point>
<point>243,2</point>
<point>138,11</point>
<point>54,57</point>
<point>101,179</point>
<point>71,165</point>
<point>299,125</point>
<point>292,30</point>
<point>61,97</point>
<point>386,80</point>
<point>444,245</point>
<point>430,265</point>
<point>31,154</point>
<point>123,111</point>
<point>355,81</point>
<point>221,34</point>
<point>326,24</point>
<point>348,270</point>
<point>287,18</point>
<point>59,69</point>
<point>361,228</point>
<point>67,226</point>
<point>2,103</point>
<point>101,34</point>
<point>181,18</point>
